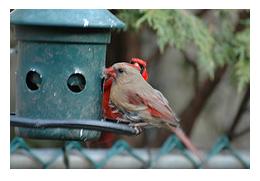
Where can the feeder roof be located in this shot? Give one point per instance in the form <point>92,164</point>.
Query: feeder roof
<point>78,18</point>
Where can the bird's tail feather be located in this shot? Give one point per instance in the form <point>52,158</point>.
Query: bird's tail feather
<point>186,141</point>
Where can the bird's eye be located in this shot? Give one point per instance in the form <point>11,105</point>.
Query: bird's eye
<point>120,70</point>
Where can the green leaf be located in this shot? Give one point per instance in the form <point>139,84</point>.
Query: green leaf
<point>217,43</point>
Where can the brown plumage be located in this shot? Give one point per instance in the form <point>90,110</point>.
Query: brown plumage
<point>133,96</point>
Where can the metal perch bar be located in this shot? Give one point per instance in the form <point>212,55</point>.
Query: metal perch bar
<point>87,124</point>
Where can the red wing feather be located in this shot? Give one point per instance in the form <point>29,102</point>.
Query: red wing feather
<point>155,105</point>
<point>135,99</point>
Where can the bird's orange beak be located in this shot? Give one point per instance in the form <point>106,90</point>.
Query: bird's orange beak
<point>110,72</point>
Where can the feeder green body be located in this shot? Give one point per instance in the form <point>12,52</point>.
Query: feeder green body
<point>64,48</point>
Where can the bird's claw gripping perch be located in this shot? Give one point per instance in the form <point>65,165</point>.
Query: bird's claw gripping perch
<point>138,130</point>
<point>139,127</point>
<point>122,120</point>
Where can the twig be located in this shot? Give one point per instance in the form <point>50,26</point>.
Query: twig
<point>241,133</point>
<point>202,12</point>
<point>197,103</point>
<point>239,113</point>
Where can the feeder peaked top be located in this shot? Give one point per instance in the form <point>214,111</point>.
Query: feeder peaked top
<point>75,18</point>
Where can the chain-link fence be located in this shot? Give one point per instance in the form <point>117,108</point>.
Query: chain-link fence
<point>172,154</point>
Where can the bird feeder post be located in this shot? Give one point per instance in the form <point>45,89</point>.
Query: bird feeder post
<point>61,56</point>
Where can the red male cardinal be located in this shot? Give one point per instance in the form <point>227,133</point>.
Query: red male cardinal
<point>141,104</point>
<point>107,137</point>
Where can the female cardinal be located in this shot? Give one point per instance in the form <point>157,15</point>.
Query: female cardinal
<point>107,138</point>
<point>141,104</point>
<point>108,113</point>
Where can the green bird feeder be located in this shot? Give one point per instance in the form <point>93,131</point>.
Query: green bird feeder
<point>61,56</point>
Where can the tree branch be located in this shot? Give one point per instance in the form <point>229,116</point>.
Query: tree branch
<point>202,12</point>
<point>241,133</point>
<point>238,115</point>
<point>196,105</point>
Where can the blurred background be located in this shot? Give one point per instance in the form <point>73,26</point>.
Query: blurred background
<point>199,60</point>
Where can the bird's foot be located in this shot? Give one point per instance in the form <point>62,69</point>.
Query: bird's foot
<point>139,127</point>
<point>115,111</point>
<point>111,104</point>
<point>122,120</point>
<point>138,130</point>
